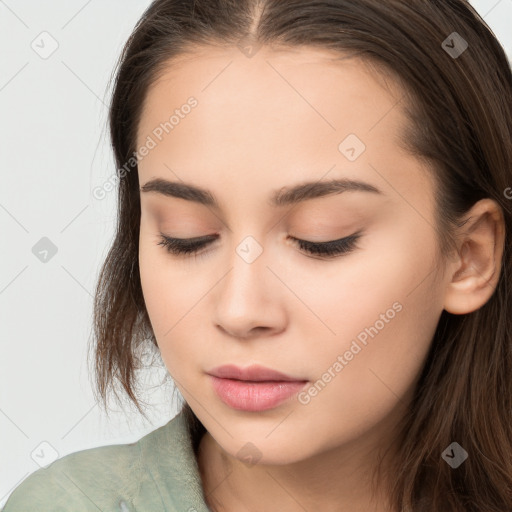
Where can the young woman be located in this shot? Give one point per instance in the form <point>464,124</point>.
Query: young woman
<point>314,234</point>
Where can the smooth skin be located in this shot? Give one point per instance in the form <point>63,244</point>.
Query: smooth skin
<point>262,123</point>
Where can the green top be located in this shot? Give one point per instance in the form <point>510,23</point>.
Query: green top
<point>157,473</point>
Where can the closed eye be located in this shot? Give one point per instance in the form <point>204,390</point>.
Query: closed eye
<point>332,248</point>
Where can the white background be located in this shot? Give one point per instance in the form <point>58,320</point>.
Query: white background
<point>54,151</point>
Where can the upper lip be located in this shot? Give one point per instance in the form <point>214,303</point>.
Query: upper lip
<point>252,373</point>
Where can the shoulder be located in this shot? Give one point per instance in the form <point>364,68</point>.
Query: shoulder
<point>79,481</point>
<point>106,478</point>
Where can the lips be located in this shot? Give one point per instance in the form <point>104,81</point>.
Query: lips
<point>255,388</point>
<point>254,373</point>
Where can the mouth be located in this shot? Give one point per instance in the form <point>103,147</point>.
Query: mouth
<point>255,388</point>
<point>254,373</point>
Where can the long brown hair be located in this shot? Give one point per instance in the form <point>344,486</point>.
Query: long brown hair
<point>460,112</point>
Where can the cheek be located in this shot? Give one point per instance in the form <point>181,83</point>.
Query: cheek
<point>160,289</point>
<point>393,269</point>
<point>384,310</point>
<point>173,302</point>
<point>153,281</point>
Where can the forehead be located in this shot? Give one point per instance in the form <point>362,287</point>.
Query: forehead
<point>280,113</point>
<point>331,92</point>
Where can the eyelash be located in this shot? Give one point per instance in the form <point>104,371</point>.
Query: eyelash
<point>330,249</point>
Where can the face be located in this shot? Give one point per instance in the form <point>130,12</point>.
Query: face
<point>354,327</point>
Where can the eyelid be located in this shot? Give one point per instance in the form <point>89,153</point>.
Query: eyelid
<point>330,248</point>
<point>320,250</point>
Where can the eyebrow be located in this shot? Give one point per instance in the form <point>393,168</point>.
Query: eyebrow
<point>282,197</point>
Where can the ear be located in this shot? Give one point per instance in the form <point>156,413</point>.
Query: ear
<point>476,269</point>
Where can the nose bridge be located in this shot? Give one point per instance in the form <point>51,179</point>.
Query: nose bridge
<point>247,278</point>
<point>247,298</point>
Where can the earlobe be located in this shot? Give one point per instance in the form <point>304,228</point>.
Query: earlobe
<point>475,273</point>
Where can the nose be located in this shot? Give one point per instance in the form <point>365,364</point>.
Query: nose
<point>250,298</point>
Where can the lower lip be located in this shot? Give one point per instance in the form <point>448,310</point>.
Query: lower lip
<point>255,396</point>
